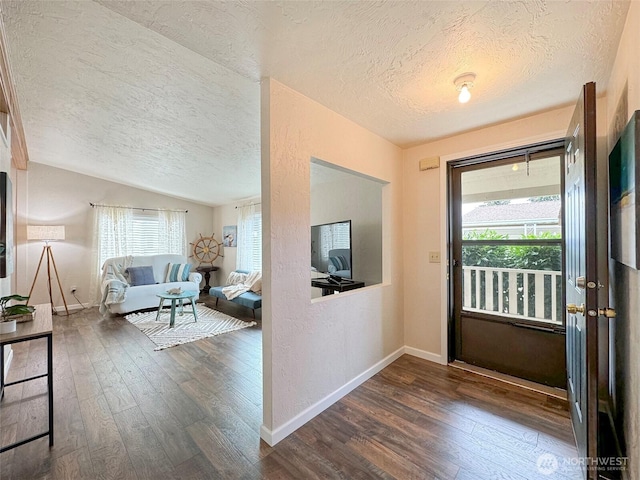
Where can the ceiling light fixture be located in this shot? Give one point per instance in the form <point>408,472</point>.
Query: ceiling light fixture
<point>463,83</point>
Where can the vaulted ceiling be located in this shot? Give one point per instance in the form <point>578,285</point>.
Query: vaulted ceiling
<point>164,95</point>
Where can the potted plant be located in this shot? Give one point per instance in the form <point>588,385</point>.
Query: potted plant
<point>9,314</point>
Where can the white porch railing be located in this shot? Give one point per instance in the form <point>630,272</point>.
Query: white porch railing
<point>525,294</point>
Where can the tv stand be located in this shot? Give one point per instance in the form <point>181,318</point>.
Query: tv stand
<point>329,288</point>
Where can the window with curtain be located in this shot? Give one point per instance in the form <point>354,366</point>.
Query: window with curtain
<point>249,254</point>
<point>121,231</point>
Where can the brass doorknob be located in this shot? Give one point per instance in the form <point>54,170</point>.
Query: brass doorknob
<point>572,308</point>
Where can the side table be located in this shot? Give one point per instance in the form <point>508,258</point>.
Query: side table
<point>329,287</point>
<point>40,327</point>
<point>206,270</point>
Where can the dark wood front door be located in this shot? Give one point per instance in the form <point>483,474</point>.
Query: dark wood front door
<point>582,275</point>
<point>507,251</point>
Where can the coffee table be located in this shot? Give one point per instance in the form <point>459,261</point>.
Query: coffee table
<point>190,294</point>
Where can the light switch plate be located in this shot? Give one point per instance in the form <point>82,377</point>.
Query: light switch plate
<point>434,257</point>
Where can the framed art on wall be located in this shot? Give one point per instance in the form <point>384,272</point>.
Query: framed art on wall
<point>6,226</point>
<point>230,236</point>
<point>624,178</point>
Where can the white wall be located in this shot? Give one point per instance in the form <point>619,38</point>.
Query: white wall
<point>625,281</point>
<point>315,352</point>
<point>223,216</point>
<point>7,284</point>
<point>360,200</point>
<point>60,197</point>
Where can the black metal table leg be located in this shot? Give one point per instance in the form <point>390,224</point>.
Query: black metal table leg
<point>50,385</point>
<point>1,372</point>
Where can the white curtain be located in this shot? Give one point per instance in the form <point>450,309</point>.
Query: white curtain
<point>121,231</point>
<point>249,254</point>
<point>172,232</point>
<point>112,237</point>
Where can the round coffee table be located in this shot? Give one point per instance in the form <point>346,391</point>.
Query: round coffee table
<point>190,294</point>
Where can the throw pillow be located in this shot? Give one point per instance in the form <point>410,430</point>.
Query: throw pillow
<point>345,262</point>
<point>140,275</point>
<point>340,262</point>
<point>178,272</point>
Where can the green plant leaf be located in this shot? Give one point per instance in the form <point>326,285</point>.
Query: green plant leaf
<point>18,310</point>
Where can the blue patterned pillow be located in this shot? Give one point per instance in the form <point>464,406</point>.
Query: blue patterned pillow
<point>140,275</point>
<point>178,272</point>
<point>340,262</point>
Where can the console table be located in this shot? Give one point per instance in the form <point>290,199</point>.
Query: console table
<point>40,327</point>
<point>207,276</point>
<point>328,288</point>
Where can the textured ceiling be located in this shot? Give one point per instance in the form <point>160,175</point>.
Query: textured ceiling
<point>164,94</point>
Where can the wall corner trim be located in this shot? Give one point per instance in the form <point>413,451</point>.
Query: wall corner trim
<point>274,436</point>
<point>7,363</point>
<point>432,357</point>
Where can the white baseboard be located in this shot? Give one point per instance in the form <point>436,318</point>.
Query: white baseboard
<point>432,357</point>
<point>7,364</point>
<point>273,437</point>
<point>75,306</point>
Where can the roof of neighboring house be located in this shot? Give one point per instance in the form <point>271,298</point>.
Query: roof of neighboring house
<point>514,213</point>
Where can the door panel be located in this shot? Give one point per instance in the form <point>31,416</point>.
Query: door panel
<point>582,274</point>
<point>508,263</point>
<point>515,350</point>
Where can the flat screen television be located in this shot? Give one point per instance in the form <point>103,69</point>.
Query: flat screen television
<point>331,248</point>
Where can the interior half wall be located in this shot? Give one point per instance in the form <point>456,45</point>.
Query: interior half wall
<point>315,352</point>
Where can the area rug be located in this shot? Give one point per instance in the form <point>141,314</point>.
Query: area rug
<point>210,323</point>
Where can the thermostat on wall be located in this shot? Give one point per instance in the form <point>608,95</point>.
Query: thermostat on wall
<point>429,163</point>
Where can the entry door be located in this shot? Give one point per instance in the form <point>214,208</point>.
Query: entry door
<point>582,276</point>
<point>507,251</point>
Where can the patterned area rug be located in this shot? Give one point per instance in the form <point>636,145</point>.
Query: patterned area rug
<point>210,323</point>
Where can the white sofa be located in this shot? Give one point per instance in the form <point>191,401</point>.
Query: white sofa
<point>144,296</point>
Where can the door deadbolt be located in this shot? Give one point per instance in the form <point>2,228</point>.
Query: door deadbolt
<point>607,312</point>
<point>581,282</point>
<point>572,308</point>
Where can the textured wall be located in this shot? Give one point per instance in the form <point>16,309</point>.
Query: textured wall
<point>313,349</point>
<point>60,197</point>
<point>623,98</point>
<point>223,216</point>
<point>104,96</point>
<point>389,66</point>
<point>7,285</point>
<point>422,226</point>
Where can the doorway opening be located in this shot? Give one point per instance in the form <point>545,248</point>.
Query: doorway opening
<point>507,282</point>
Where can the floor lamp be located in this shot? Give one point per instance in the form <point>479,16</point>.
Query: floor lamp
<point>47,233</point>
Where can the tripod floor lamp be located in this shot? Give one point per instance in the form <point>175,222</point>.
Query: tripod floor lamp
<point>47,233</point>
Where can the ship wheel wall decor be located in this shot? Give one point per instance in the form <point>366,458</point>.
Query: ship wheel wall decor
<point>206,249</point>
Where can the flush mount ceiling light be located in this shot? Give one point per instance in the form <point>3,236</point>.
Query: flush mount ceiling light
<point>463,83</point>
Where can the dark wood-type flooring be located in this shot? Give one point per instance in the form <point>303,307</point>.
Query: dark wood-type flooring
<point>123,411</point>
